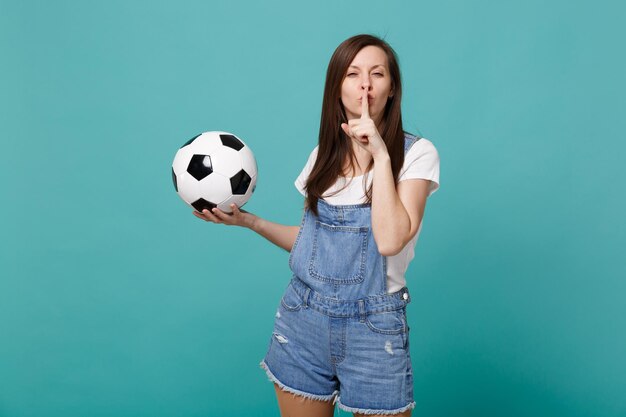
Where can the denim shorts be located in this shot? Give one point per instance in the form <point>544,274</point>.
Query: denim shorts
<point>355,353</point>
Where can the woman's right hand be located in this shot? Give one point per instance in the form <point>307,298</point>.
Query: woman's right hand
<point>237,218</point>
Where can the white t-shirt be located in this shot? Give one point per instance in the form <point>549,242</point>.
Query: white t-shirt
<point>421,161</point>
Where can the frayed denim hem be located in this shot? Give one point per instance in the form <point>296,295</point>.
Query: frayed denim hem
<point>295,391</point>
<point>411,405</point>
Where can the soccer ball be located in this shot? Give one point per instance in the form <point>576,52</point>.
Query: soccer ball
<point>214,169</point>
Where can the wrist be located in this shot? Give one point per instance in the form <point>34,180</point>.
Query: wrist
<point>381,157</point>
<point>253,223</point>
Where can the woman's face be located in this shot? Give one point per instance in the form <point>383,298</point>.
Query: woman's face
<point>369,70</point>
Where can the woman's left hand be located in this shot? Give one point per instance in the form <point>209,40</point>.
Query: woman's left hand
<point>363,131</point>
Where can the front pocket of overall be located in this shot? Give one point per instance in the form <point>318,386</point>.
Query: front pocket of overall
<point>387,322</point>
<point>339,253</point>
<point>290,300</point>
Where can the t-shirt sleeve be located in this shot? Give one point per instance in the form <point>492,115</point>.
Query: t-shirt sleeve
<point>304,174</point>
<point>422,162</point>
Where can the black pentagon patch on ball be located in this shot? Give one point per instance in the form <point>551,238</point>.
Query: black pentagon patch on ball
<point>231,141</point>
<point>202,204</point>
<point>174,179</point>
<point>200,166</point>
<point>240,182</point>
<point>190,140</point>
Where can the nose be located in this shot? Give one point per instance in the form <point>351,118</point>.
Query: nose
<point>365,83</point>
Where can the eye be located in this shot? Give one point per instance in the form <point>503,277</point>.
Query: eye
<point>351,74</point>
<point>378,73</point>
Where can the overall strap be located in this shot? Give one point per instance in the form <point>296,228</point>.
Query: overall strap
<point>409,140</point>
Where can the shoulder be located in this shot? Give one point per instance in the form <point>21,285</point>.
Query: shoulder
<point>417,147</point>
<point>313,155</point>
<point>421,161</point>
<point>306,170</point>
<point>311,159</point>
<point>308,166</point>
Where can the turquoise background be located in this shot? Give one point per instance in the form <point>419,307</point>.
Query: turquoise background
<point>116,301</point>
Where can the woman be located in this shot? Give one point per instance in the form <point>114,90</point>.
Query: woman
<point>341,333</point>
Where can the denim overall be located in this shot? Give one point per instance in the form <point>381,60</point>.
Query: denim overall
<point>337,331</point>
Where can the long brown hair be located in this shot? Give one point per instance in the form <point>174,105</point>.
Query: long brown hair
<point>334,145</point>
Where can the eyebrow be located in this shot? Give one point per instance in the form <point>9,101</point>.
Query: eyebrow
<point>379,65</point>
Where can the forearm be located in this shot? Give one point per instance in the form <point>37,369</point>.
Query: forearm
<point>280,235</point>
<point>390,221</point>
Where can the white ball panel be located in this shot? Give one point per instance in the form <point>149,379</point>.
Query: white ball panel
<point>225,205</point>
<point>214,188</point>
<point>188,187</point>
<point>205,144</point>
<point>226,161</point>
<point>181,160</point>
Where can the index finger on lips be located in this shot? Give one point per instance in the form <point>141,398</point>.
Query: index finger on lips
<point>365,108</point>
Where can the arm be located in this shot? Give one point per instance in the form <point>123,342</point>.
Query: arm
<point>280,235</point>
<point>396,214</point>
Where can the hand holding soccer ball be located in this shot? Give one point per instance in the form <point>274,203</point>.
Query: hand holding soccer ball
<point>237,218</point>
